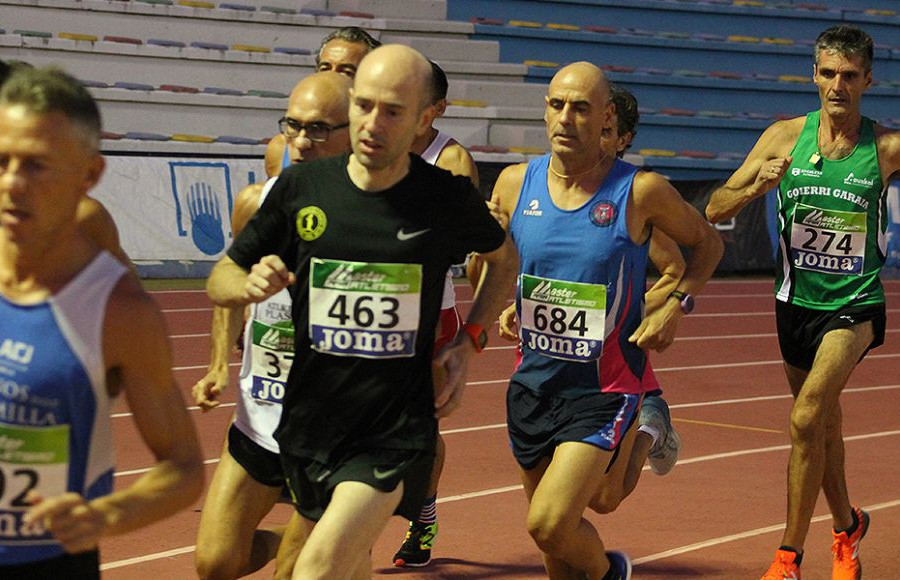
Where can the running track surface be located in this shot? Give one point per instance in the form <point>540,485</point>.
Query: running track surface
<point>718,514</point>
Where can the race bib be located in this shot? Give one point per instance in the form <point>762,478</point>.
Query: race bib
<point>31,458</point>
<point>828,241</point>
<point>564,320</point>
<point>273,353</point>
<point>364,310</point>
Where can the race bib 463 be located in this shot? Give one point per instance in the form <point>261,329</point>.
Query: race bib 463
<point>368,310</point>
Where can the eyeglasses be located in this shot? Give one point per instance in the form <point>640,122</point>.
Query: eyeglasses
<point>318,132</point>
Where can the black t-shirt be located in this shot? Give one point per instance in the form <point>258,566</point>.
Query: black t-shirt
<point>370,274</point>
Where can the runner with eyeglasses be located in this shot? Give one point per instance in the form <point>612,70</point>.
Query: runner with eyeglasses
<point>248,480</point>
<point>317,132</point>
<point>339,52</point>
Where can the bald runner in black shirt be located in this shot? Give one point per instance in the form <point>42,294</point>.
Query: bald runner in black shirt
<point>363,242</point>
<point>371,255</point>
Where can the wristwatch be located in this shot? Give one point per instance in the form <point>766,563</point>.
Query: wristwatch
<point>477,333</point>
<point>685,300</point>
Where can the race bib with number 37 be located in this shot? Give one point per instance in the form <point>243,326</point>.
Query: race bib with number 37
<point>368,310</point>
<point>31,458</point>
<point>273,353</point>
<point>561,319</point>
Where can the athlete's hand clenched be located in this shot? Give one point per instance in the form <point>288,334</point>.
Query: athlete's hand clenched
<point>509,328</point>
<point>771,171</point>
<point>75,522</point>
<point>657,329</point>
<point>207,390</point>
<point>268,277</point>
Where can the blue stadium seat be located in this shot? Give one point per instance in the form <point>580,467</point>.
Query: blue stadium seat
<point>145,136</point>
<point>235,140</point>
<point>222,91</point>
<point>291,50</point>
<point>166,42</point>
<point>133,86</point>
<point>238,7</point>
<point>209,45</point>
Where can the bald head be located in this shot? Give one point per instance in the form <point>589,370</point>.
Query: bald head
<point>585,77</point>
<point>320,99</point>
<point>402,66</point>
<point>389,105</point>
<point>324,90</point>
<point>577,109</point>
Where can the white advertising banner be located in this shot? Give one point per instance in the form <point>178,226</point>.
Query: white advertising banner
<point>174,208</point>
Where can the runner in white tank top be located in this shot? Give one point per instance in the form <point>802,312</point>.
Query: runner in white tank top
<point>268,345</point>
<point>249,479</point>
<point>440,150</point>
<point>431,155</point>
<point>75,331</point>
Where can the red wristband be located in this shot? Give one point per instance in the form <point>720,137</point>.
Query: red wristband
<point>477,334</point>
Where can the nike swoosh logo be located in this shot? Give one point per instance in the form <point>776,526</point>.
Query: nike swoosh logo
<point>388,473</point>
<point>403,236</point>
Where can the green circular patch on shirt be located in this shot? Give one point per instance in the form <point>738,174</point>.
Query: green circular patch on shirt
<point>311,223</point>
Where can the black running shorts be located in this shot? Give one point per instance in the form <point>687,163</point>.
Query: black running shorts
<point>83,566</point>
<point>312,483</point>
<point>801,330</point>
<point>537,424</point>
<point>262,465</point>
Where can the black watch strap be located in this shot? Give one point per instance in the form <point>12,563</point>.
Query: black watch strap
<point>685,300</point>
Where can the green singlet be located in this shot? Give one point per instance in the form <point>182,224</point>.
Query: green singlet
<point>832,219</point>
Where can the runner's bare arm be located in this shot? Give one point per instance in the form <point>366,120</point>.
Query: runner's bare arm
<point>95,221</point>
<point>226,328</point>
<point>458,161</point>
<point>669,261</point>
<point>501,267</point>
<point>888,144</point>
<point>503,202</point>
<point>496,277</point>
<point>506,190</point>
<point>755,176</point>
<point>275,155</point>
<point>231,285</point>
<point>662,207</point>
<point>141,365</point>
<point>226,322</point>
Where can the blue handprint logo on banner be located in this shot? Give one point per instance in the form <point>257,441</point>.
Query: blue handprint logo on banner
<point>203,204</point>
<point>206,219</point>
<point>892,235</point>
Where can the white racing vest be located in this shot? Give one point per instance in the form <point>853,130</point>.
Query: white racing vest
<point>268,353</point>
<point>430,155</point>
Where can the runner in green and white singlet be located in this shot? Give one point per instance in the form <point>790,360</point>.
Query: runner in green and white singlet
<point>832,220</point>
<point>830,168</point>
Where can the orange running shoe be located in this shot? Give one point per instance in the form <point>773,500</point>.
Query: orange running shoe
<point>845,550</point>
<point>783,567</point>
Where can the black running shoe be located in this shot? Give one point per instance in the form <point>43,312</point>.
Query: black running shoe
<point>416,548</point>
